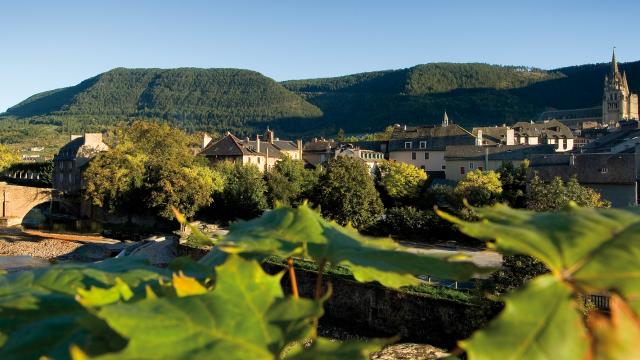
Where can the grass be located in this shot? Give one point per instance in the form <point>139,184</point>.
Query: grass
<point>431,290</point>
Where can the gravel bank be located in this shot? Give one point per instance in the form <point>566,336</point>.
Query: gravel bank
<point>45,248</point>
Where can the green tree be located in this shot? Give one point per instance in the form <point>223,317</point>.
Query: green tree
<point>402,180</point>
<point>480,187</point>
<point>514,181</point>
<point>7,157</point>
<point>556,195</point>
<point>243,194</point>
<point>150,167</point>
<point>346,193</point>
<point>289,183</point>
<point>114,180</point>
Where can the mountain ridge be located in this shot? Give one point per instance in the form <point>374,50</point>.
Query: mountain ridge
<point>246,101</point>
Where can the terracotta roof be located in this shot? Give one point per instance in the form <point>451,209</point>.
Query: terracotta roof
<point>548,129</point>
<point>229,145</point>
<point>412,132</point>
<point>499,152</point>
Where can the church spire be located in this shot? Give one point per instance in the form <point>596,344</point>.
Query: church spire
<point>445,120</point>
<point>614,64</point>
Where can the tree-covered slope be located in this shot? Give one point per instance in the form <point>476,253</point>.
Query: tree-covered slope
<point>245,102</point>
<point>194,99</point>
<point>472,94</point>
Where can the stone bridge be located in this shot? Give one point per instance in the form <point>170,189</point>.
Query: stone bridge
<point>18,200</point>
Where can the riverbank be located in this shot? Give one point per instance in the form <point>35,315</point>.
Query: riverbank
<point>15,241</point>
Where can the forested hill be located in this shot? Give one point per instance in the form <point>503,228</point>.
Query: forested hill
<point>472,94</point>
<point>246,102</point>
<point>195,99</point>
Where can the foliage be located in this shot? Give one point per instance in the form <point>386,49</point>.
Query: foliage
<point>346,193</point>
<point>557,195</point>
<point>577,246</point>
<point>516,271</point>
<point>151,166</point>
<point>480,187</point>
<point>402,180</point>
<point>289,183</point>
<point>302,232</point>
<point>8,157</point>
<point>514,183</point>
<point>243,194</point>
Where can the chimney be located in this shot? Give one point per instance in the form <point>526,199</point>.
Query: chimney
<point>258,143</point>
<point>299,145</point>
<point>206,139</point>
<point>92,138</point>
<point>270,134</point>
<point>479,138</point>
<point>486,159</point>
<point>510,140</point>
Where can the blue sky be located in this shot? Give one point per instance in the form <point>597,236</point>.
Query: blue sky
<point>51,44</point>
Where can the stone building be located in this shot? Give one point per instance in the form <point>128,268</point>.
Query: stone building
<point>614,176</point>
<point>262,153</point>
<point>462,159</point>
<point>424,146</point>
<point>72,160</point>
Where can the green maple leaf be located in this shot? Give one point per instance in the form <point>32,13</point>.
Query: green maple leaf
<point>40,316</point>
<point>303,232</point>
<point>245,317</point>
<point>577,245</point>
<point>538,322</point>
<point>586,250</point>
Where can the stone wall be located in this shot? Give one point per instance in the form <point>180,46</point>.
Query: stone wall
<point>375,311</point>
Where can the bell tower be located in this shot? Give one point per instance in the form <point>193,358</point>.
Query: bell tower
<point>617,101</point>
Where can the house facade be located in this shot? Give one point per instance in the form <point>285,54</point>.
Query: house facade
<point>72,160</point>
<point>258,152</point>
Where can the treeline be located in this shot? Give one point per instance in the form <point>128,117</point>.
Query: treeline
<point>152,170</point>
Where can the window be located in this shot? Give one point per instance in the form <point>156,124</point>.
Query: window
<point>426,156</point>
<point>258,159</point>
<point>423,144</point>
<point>413,156</point>
<point>444,167</point>
<point>407,145</point>
<point>604,170</point>
<point>461,170</point>
<point>423,167</point>
<point>470,166</point>
<point>480,168</point>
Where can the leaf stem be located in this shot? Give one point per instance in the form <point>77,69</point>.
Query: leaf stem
<point>321,267</point>
<point>292,278</point>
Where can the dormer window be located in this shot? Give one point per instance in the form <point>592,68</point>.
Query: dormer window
<point>407,144</point>
<point>423,144</point>
<point>604,170</point>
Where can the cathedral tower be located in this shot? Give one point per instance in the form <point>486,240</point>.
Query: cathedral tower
<point>617,101</point>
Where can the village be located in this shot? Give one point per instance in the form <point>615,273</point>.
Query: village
<point>300,180</point>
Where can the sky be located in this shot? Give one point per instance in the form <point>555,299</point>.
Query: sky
<point>51,44</point>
